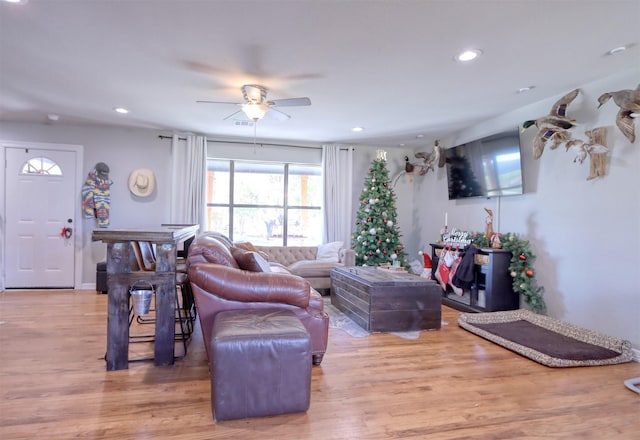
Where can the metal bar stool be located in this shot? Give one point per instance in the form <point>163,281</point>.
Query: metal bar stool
<point>146,260</point>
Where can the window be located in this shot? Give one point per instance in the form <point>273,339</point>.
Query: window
<point>41,165</point>
<point>270,204</point>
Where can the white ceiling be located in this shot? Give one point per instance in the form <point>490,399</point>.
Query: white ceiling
<point>385,65</point>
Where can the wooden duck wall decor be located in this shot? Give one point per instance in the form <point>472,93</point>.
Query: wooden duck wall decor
<point>629,103</point>
<point>436,157</point>
<point>595,148</point>
<point>553,127</point>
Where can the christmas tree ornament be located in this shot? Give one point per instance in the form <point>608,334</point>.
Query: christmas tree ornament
<point>372,231</point>
<point>529,273</point>
<point>389,223</point>
<point>522,257</point>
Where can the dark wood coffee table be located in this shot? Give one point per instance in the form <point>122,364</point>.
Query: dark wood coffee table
<point>384,301</point>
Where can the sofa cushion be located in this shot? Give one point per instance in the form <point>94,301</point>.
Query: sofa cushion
<point>246,286</point>
<point>329,252</point>
<point>312,268</point>
<point>315,300</point>
<point>211,251</point>
<point>287,255</point>
<point>248,246</point>
<point>208,235</point>
<point>278,268</point>
<point>248,260</point>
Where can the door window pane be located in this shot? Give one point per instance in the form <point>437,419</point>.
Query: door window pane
<point>41,165</point>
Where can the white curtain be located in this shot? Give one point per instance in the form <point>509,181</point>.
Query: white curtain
<point>337,167</point>
<point>188,174</point>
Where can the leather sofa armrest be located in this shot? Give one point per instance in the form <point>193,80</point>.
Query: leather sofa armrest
<point>245,286</point>
<point>347,257</point>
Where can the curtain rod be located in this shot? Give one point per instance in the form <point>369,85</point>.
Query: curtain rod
<point>247,143</point>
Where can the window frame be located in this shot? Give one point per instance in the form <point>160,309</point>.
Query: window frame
<point>285,207</point>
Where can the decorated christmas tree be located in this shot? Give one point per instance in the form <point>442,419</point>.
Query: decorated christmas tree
<point>377,237</point>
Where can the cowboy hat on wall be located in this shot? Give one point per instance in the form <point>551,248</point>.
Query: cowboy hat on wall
<point>142,182</point>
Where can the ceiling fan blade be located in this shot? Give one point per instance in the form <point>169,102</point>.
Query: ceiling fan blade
<point>218,102</point>
<point>291,102</point>
<point>277,114</point>
<point>232,115</point>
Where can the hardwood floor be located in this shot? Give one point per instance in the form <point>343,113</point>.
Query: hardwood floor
<point>448,384</point>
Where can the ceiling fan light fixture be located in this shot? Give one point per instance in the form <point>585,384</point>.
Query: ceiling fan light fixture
<point>254,111</point>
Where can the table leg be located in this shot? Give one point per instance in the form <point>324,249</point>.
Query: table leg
<point>165,304</point>
<point>118,308</point>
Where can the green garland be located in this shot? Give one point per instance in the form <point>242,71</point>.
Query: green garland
<point>521,269</point>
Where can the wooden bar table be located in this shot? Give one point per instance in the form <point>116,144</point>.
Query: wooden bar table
<point>122,273</point>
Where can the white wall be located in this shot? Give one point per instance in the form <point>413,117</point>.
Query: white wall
<point>585,234</point>
<point>123,150</point>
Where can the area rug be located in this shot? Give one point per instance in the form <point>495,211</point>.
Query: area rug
<point>546,340</point>
<point>339,320</point>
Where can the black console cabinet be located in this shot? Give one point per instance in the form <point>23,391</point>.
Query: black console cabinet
<point>492,289</point>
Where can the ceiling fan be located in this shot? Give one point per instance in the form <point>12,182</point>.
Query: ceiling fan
<point>255,104</point>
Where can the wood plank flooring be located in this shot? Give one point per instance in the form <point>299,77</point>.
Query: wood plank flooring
<point>448,384</point>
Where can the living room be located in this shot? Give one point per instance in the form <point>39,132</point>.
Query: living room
<point>583,233</point>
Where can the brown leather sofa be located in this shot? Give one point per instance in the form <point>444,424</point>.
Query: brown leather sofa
<point>219,283</point>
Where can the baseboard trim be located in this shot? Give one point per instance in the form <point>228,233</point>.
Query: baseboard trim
<point>88,286</point>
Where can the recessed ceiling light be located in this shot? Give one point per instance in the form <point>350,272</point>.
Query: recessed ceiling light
<point>121,110</point>
<point>19,2</point>
<point>616,50</point>
<point>525,89</point>
<point>420,136</point>
<point>468,55</point>
<point>53,117</point>
<point>356,129</point>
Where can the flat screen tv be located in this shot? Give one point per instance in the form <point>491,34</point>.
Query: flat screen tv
<point>487,167</point>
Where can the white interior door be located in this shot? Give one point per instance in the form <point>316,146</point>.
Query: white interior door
<point>39,202</point>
